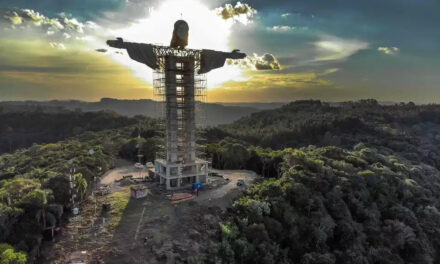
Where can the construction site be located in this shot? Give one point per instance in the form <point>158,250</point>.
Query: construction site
<point>158,226</point>
<point>169,212</point>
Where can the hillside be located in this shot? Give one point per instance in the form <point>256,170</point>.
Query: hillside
<point>356,182</point>
<point>336,206</point>
<point>352,183</point>
<point>20,129</point>
<point>210,114</point>
<point>413,131</point>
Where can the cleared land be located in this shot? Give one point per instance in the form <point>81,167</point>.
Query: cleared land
<point>147,230</point>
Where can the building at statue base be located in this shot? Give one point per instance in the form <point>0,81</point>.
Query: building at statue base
<point>177,176</point>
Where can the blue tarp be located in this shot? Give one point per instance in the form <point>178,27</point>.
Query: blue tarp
<point>198,185</point>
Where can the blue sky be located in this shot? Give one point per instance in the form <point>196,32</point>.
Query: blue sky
<point>328,50</point>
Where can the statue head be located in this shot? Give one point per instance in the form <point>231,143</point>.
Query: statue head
<point>180,34</point>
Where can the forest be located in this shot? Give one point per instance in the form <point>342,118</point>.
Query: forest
<point>34,181</point>
<point>356,182</point>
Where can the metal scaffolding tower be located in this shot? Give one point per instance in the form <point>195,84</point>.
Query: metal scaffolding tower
<point>179,89</point>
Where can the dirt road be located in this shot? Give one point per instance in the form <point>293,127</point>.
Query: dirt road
<point>117,174</point>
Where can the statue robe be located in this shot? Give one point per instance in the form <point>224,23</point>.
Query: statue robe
<point>142,53</point>
<point>211,59</point>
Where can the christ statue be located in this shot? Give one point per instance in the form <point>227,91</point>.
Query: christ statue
<point>179,74</point>
<point>145,53</point>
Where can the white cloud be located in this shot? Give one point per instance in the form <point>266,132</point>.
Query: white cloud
<point>389,50</point>
<point>240,12</point>
<point>281,28</point>
<point>66,35</point>
<point>64,25</point>
<point>14,18</point>
<point>331,48</point>
<point>73,24</point>
<point>286,14</point>
<point>57,45</point>
<point>255,62</point>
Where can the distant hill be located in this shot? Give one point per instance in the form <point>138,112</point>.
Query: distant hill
<point>22,129</point>
<point>259,106</point>
<point>407,128</point>
<point>210,114</point>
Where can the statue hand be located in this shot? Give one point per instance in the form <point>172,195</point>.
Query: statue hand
<point>118,43</point>
<point>236,54</point>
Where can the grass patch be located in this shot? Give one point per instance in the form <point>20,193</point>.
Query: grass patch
<point>119,201</point>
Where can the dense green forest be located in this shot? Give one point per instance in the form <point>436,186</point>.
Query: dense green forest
<point>410,130</point>
<point>356,182</point>
<point>332,205</point>
<point>20,129</point>
<point>34,181</point>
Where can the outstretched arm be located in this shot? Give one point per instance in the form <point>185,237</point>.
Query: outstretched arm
<point>118,43</point>
<point>139,52</point>
<point>212,59</point>
<point>235,55</point>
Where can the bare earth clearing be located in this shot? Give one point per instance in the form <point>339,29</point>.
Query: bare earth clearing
<point>147,230</point>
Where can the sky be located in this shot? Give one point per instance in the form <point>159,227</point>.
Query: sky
<point>297,49</point>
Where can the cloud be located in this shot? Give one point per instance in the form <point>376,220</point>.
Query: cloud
<point>73,24</point>
<point>280,28</point>
<point>259,63</point>
<point>331,48</point>
<point>389,50</point>
<point>55,28</point>
<point>57,45</point>
<point>14,18</point>
<point>276,87</point>
<point>33,70</point>
<point>240,12</point>
<point>286,14</point>
<point>38,19</point>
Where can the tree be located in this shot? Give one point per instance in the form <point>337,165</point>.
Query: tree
<point>8,255</point>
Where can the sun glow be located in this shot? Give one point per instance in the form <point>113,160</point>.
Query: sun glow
<point>206,30</point>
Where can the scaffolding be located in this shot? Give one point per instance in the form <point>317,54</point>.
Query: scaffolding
<point>179,90</point>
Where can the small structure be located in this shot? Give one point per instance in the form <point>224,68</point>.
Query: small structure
<point>78,257</point>
<point>180,197</point>
<point>139,191</point>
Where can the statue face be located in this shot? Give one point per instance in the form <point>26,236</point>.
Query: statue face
<point>182,30</point>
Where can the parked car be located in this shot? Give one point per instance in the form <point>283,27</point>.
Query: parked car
<point>138,166</point>
<point>240,182</point>
<point>149,165</point>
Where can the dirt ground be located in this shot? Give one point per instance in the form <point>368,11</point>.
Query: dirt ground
<point>146,230</point>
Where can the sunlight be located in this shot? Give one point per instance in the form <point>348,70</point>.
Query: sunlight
<point>206,30</point>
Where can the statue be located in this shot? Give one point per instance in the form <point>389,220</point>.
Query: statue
<point>144,53</point>
<point>179,80</point>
